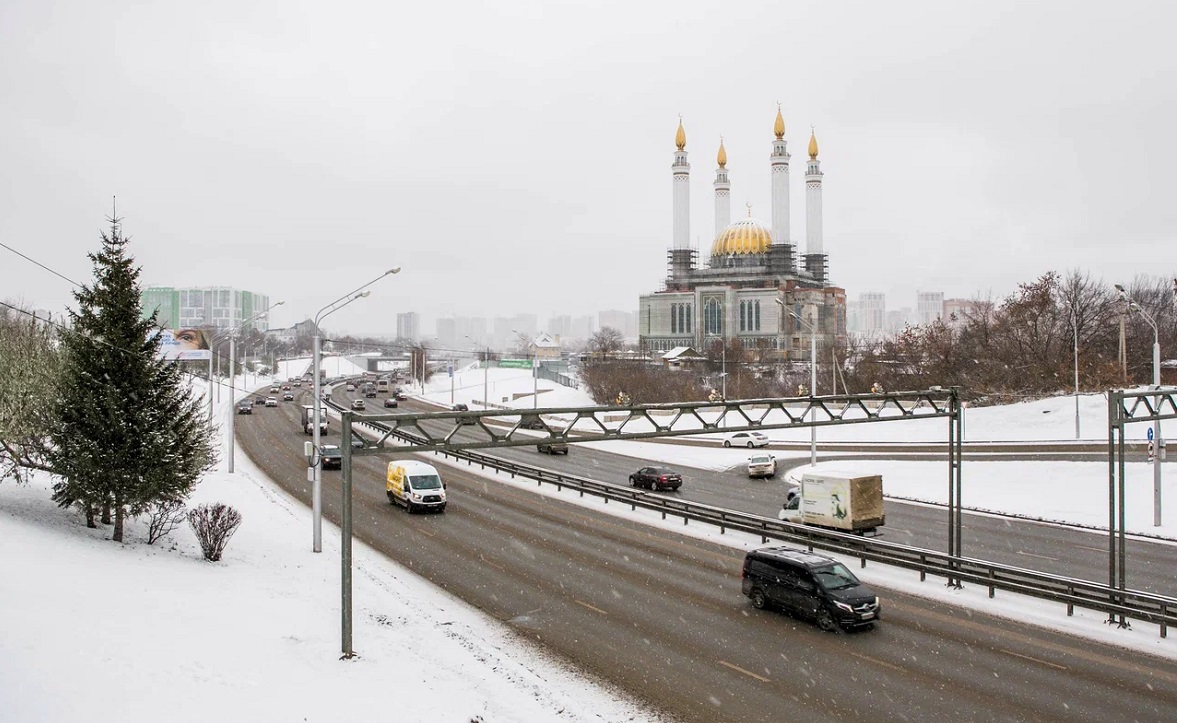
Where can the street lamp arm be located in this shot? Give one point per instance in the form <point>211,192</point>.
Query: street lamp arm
<point>332,308</point>
<point>395,270</point>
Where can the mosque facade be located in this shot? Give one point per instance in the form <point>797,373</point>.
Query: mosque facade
<point>754,285</point>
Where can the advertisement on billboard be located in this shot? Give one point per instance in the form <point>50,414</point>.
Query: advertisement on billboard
<point>184,345</point>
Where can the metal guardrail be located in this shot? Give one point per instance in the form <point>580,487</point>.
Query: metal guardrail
<point>1072,592</point>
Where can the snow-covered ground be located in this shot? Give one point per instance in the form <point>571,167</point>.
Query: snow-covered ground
<point>148,632</point>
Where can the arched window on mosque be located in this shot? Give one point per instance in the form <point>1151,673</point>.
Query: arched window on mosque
<point>690,322</point>
<point>743,322</point>
<point>712,318</point>
<point>674,318</point>
<point>757,309</point>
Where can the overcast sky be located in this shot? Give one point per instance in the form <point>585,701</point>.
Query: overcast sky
<point>515,157</point>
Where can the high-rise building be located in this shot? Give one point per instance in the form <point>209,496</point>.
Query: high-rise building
<point>929,306</point>
<point>408,326</point>
<point>214,306</point>
<point>872,312</point>
<point>624,321</point>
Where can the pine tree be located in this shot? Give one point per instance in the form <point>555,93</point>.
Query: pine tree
<point>127,432</point>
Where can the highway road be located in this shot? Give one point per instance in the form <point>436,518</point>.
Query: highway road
<point>662,617</point>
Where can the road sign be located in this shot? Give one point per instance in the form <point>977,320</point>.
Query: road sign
<point>1150,434</point>
<point>450,369</point>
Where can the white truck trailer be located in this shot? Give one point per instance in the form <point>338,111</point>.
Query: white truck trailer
<point>837,501</point>
<point>308,419</point>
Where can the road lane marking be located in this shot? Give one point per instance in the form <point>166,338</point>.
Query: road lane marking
<point>875,661</point>
<point>1036,660</point>
<point>1040,557</point>
<point>749,673</point>
<point>590,607</point>
<point>423,531</point>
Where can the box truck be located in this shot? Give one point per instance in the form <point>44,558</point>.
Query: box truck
<point>837,501</point>
<point>308,419</point>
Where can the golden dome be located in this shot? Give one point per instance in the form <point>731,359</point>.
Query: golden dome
<point>779,127</point>
<point>680,137</point>
<point>746,236</point>
<point>812,145</point>
<point>721,159</point>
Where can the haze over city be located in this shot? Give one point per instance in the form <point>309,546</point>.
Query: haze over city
<point>516,159</point>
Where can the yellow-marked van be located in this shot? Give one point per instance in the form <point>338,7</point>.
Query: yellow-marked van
<point>415,485</point>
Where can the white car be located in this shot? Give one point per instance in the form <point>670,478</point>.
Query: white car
<point>762,465</point>
<point>746,439</point>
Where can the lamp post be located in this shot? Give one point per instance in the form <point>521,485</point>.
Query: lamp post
<point>1075,331</point>
<point>1158,442</point>
<point>485,375</point>
<point>317,416</point>
<point>812,379</point>
<point>534,374</point>
<point>233,378</point>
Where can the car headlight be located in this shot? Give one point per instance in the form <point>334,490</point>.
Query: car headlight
<point>877,601</point>
<point>416,495</point>
<point>844,606</point>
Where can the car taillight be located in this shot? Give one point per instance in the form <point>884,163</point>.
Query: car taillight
<point>663,478</point>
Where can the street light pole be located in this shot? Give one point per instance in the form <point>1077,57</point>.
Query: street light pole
<point>317,414</point>
<point>232,378</point>
<point>812,377</point>
<point>812,384</point>
<point>534,373</point>
<point>1158,442</point>
<point>1075,330</point>
<point>485,374</point>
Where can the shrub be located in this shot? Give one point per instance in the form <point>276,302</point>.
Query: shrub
<point>164,516</point>
<point>214,524</point>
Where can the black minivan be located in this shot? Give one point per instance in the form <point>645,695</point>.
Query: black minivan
<point>810,585</point>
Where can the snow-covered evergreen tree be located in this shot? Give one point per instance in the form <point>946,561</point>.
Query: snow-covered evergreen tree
<point>127,432</point>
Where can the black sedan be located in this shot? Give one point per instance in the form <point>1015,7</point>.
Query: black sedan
<point>656,478</point>
<point>245,408</point>
<point>332,456</point>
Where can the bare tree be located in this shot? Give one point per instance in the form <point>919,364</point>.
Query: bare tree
<point>163,517</point>
<point>606,342</point>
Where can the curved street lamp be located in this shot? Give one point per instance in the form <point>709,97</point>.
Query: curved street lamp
<point>812,377</point>
<point>233,378</point>
<point>534,372</point>
<point>317,416</point>
<point>485,373</point>
<point>1156,424</point>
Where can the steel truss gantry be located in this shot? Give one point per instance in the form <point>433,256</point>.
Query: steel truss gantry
<point>1124,408</point>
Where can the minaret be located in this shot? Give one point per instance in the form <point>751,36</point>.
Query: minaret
<point>682,191</point>
<point>780,182</point>
<point>815,260</point>
<point>723,195</point>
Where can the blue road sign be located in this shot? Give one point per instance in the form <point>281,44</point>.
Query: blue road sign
<point>1150,434</point>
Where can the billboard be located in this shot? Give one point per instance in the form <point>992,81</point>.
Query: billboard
<point>514,363</point>
<point>184,345</point>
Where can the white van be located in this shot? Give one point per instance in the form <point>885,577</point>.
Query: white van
<point>415,485</point>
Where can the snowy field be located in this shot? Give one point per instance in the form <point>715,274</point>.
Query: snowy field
<point>144,633</point>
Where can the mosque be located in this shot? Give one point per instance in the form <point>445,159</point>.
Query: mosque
<point>754,286</point>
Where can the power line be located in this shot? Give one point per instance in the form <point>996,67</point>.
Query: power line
<point>38,263</point>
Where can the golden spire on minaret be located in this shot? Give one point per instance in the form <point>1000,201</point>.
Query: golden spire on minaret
<point>721,159</point>
<point>680,136</point>
<point>779,127</point>
<point>812,144</point>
